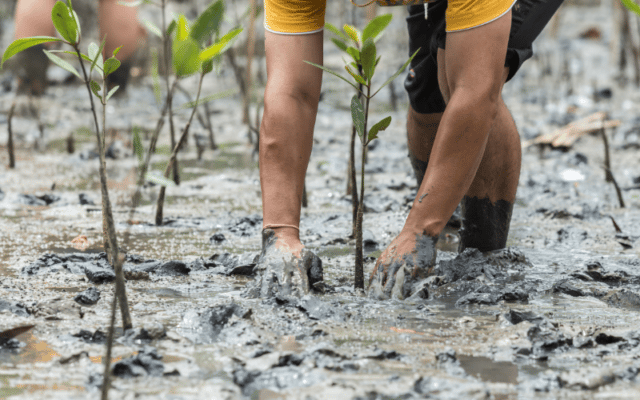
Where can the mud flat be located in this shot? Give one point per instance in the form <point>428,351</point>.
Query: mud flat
<point>555,315</point>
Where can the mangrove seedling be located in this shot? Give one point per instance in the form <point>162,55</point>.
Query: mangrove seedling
<point>350,41</point>
<point>65,20</point>
<point>367,58</point>
<point>191,55</point>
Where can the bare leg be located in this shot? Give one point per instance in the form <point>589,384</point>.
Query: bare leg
<point>291,96</point>
<point>33,18</point>
<point>121,26</point>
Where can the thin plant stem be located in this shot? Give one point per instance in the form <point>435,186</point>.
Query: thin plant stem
<point>12,157</point>
<point>165,43</point>
<point>106,377</point>
<point>107,214</point>
<point>607,166</point>
<point>174,153</point>
<point>359,272</point>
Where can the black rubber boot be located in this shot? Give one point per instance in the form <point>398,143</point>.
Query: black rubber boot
<point>485,225</point>
<point>120,78</point>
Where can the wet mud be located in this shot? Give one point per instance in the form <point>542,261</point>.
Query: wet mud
<point>553,315</point>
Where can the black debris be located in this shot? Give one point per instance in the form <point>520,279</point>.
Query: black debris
<point>88,297</point>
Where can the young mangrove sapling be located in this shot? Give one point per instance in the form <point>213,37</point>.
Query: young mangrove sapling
<point>367,58</point>
<point>350,41</point>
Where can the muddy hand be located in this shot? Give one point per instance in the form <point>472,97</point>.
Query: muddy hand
<point>284,269</point>
<point>408,259</point>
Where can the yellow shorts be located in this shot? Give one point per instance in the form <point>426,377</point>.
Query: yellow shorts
<point>466,14</point>
<point>294,16</point>
<point>307,16</point>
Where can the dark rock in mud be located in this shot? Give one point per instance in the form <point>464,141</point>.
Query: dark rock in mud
<point>230,264</point>
<point>543,383</point>
<point>96,274</point>
<point>369,242</point>
<point>205,326</point>
<point>515,317</point>
<point>623,298</point>
<point>88,297</point>
<point>15,307</point>
<point>97,337</point>
<point>586,379</point>
<point>173,268</point>
<point>11,344</point>
<point>85,200</point>
<point>448,361</point>
<point>146,362</point>
<point>217,238</point>
<point>277,378</point>
<point>312,306</point>
<point>1,194</point>
<point>33,200</point>
<point>144,335</point>
<point>490,295</point>
<point>547,340</point>
<point>246,226</point>
<point>564,286</point>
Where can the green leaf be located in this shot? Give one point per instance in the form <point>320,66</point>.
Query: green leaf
<point>207,66</point>
<point>339,44</point>
<point>95,88</point>
<point>357,115</point>
<point>353,33</point>
<point>335,31</point>
<point>380,126</point>
<point>112,92</point>
<point>159,180</point>
<point>221,46</point>
<point>354,53</point>
<point>153,28</point>
<point>111,65</point>
<point>397,73</point>
<point>22,44</point>
<point>64,22</point>
<point>116,51</point>
<point>368,58</point>
<point>77,21</point>
<point>72,53</point>
<point>138,149</point>
<point>96,58</point>
<point>207,99</point>
<point>377,61</point>
<point>208,23</point>
<point>183,29</point>
<point>171,27</point>
<point>185,56</point>
<point>357,77</point>
<point>332,73</point>
<point>632,6</point>
<point>62,63</point>
<point>375,27</point>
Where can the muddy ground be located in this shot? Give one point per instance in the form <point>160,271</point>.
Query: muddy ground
<point>553,316</point>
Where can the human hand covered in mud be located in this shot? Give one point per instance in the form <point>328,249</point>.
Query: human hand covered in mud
<point>285,267</point>
<point>409,259</point>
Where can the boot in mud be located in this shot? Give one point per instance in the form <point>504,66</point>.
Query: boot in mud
<point>32,70</point>
<point>485,225</point>
<point>120,77</point>
<point>405,276</point>
<point>279,272</point>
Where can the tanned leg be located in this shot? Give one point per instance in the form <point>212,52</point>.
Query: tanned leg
<point>291,96</point>
<point>120,24</point>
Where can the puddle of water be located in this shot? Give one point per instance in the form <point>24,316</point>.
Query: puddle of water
<point>488,370</point>
<point>35,351</point>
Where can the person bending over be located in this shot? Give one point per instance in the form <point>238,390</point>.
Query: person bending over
<point>463,143</point>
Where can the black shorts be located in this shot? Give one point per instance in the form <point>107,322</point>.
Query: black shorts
<point>529,17</point>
